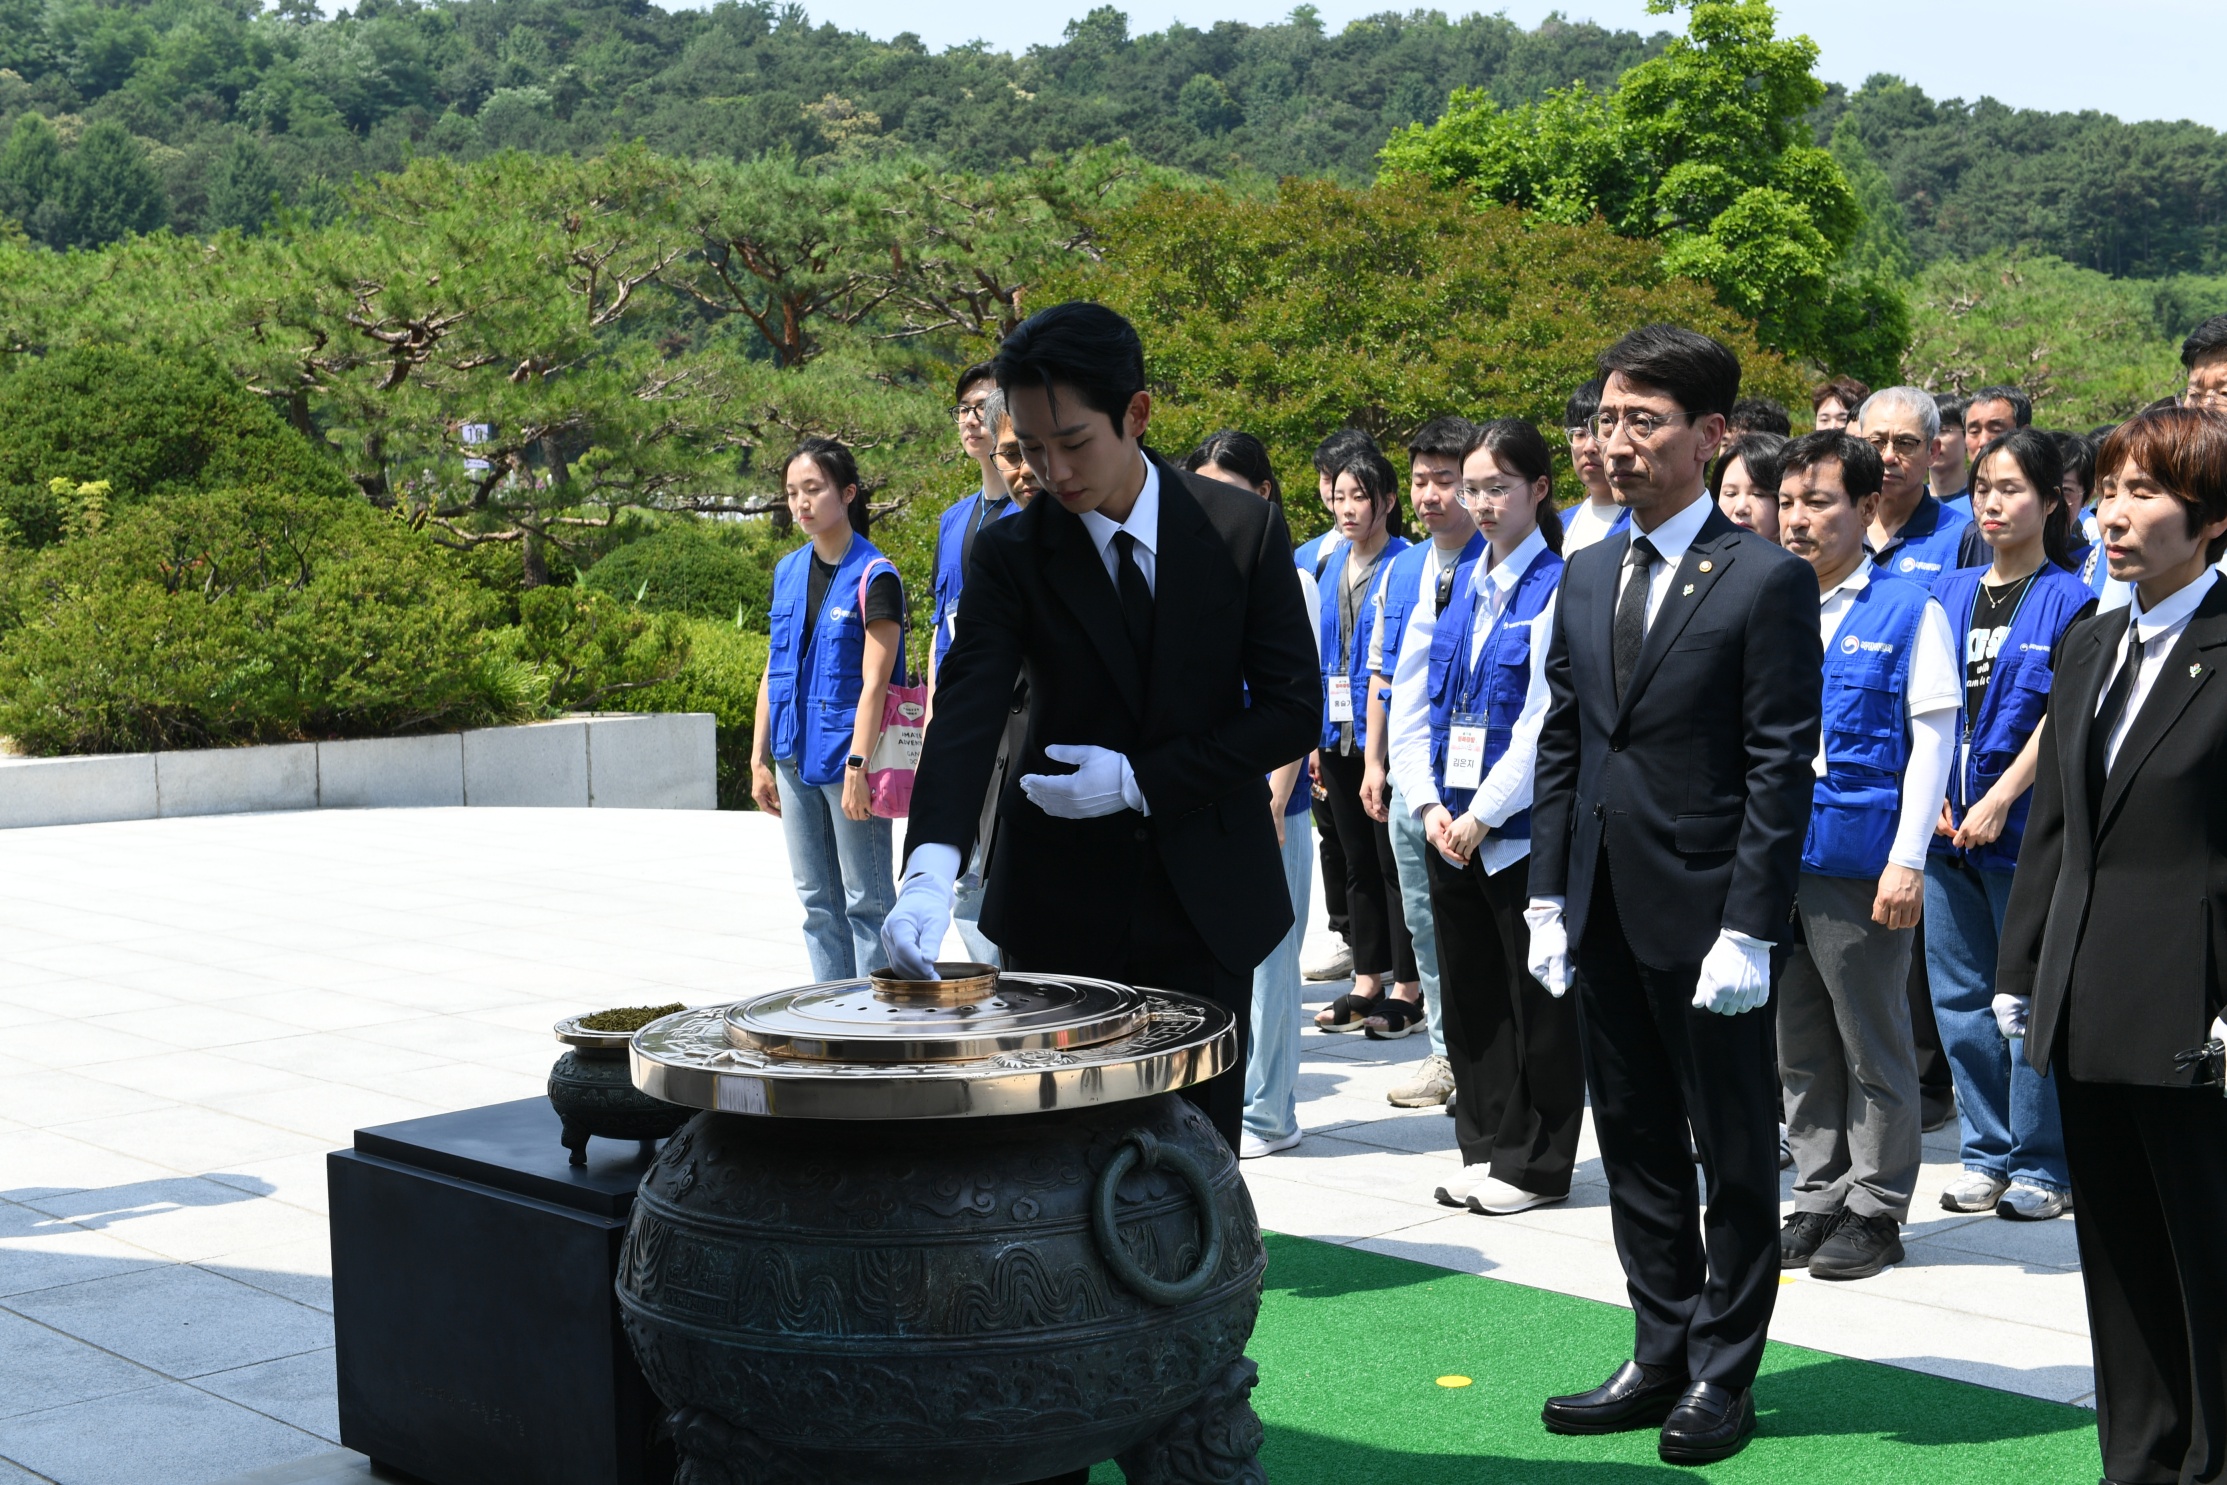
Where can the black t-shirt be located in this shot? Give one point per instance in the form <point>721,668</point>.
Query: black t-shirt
<point>1993,609</point>
<point>885,598</point>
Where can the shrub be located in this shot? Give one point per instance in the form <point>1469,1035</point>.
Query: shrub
<point>146,425</point>
<point>721,677</point>
<point>231,617</point>
<point>590,651</point>
<point>703,569</point>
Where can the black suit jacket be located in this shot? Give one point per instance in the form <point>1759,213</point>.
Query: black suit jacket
<point>1698,786</point>
<point>1229,622</point>
<point>2118,929</point>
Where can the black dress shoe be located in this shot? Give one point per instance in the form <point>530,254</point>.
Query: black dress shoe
<point>1799,1238</point>
<point>1638,1396</point>
<point>1709,1423</point>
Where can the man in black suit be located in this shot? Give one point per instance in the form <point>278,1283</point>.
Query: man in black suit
<point>1673,791</point>
<point>2114,944</point>
<point>1157,617</point>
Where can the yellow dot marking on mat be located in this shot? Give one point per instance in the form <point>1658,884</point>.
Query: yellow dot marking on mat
<point>1786,1278</point>
<point>1456,1380</point>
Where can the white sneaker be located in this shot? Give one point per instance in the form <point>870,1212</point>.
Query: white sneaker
<point>1455,1193</point>
<point>2024,1203</point>
<point>1972,1191</point>
<point>1251,1146</point>
<point>1492,1197</point>
<point>1431,1086</point>
<point>1337,965</point>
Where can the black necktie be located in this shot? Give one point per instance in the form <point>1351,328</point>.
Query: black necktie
<point>1631,612</point>
<point>2107,718</point>
<point>1136,595</point>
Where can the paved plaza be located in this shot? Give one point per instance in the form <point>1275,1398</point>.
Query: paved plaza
<point>192,1012</point>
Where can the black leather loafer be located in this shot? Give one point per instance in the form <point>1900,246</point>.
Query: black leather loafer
<point>1709,1423</point>
<point>1637,1396</point>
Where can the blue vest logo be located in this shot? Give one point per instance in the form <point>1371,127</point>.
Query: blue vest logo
<point>1848,644</point>
<point>1909,564</point>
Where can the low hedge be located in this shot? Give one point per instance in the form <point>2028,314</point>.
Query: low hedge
<point>720,676</point>
<point>700,569</point>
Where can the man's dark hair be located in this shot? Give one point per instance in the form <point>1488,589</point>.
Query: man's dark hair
<point>2021,406</point>
<point>1332,452</point>
<point>979,372</point>
<point>1583,403</point>
<point>2205,341</point>
<point>1241,454</point>
<point>1759,415</point>
<point>1861,473</point>
<point>2078,451</point>
<point>1700,375</point>
<point>1083,346</point>
<point>2185,451</point>
<point>839,467</point>
<point>1759,453</point>
<point>1843,389</point>
<point>1444,438</point>
<point>1952,409</point>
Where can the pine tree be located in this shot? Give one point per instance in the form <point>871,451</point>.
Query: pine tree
<point>109,190</point>
<point>243,188</point>
<point>31,168</point>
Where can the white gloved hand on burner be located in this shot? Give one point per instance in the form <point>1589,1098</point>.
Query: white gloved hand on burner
<point>912,934</point>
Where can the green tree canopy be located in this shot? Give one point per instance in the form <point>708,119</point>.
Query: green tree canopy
<point>108,189</point>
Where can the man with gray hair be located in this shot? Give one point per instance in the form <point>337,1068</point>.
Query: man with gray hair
<point>1912,534</point>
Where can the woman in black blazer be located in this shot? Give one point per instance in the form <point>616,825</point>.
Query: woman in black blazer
<point>2114,945</point>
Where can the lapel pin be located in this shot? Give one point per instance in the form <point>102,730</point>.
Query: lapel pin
<point>2194,671</point>
<point>1706,565</point>
<point>1687,591</point>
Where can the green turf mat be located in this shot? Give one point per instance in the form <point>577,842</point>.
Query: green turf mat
<point>1351,1345</point>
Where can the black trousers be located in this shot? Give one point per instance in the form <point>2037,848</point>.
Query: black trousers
<point>1163,951</point>
<point>2149,1191</point>
<point>1372,876</point>
<point>1519,1079</point>
<point>1331,853</point>
<point>1702,1284</point>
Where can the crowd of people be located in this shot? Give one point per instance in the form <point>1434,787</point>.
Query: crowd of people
<point>1761,746</point>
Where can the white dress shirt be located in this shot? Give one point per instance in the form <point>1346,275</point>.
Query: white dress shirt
<point>1506,788</point>
<point>2154,633</point>
<point>1585,523</point>
<point>1930,700</point>
<point>1143,524</point>
<point>1670,541</point>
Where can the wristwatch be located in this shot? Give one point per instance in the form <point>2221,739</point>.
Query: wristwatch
<point>854,761</point>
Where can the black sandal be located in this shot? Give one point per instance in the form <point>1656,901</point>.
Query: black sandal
<point>1400,1017</point>
<point>1349,1011</point>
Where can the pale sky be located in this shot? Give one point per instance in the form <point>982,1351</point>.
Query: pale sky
<point>2138,59</point>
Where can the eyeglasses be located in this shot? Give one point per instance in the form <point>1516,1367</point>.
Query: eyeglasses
<point>967,412</point>
<point>1473,495</point>
<point>1574,434</point>
<point>1639,426</point>
<point>1905,445</point>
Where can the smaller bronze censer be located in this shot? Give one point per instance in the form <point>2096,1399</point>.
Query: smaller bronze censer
<point>589,1086</point>
<point>949,1232</point>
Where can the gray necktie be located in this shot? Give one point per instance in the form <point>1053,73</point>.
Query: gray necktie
<point>1630,631</point>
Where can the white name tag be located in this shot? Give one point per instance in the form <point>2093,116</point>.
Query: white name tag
<point>1341,698</point>
<point>1465,753</point>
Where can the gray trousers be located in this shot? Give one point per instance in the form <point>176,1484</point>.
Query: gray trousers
<point>1847,1056</point>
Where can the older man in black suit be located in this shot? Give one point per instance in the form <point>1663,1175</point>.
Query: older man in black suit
<point>2115,943</point>
<point>1673,789</point>
<point>1158,619</point>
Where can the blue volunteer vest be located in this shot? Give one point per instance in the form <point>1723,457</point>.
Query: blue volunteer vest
<point>812,698</point>
<point>1403,584</point>
<point>1497,684</point>
<point>1926,546</point>
<point>2017,690</point>
<point>1866,731</point>
<point>951,545</point>
<point>1310,551</point>
<point>1355,660</point>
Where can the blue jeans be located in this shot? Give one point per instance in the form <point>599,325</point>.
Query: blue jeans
<point>2009,1111</point>
<point>1272,1064</point>
<point>844,875</point>
<point>1409,842</point>
<point>966,916</point>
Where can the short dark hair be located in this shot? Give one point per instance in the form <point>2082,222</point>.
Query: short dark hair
<point>1759,415</point>
<point>980,371</point>
<point>2078,451</point>
<point>1760,452</point>
<point>1240,453</point>
<point>2039,456</point>
<point>1843,389</point>
<point>2021,405</point>
<point>1331,453</point>
<point>1373,473</point>
<point>1443,438</point>
<point>1952,409</point>
<point>839,467</point>
<point>1701,375</point>
<point>1583,403</point>
<point>1861,473</point>
<point>2183,449</point>
<point>2206,340</point>
<point>1517,445</point>
<point>1081,345</point>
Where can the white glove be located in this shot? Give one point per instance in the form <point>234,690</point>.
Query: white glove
<point>1735,975</point>
<point>2010,1014</point>
<point>1102,784</point>
<point>1548,958</point>
<point>912,934</point>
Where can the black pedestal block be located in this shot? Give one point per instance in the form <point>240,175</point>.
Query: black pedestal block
<point>478,1333</point>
